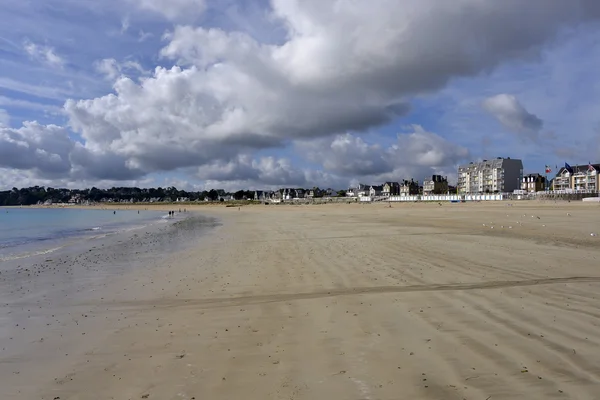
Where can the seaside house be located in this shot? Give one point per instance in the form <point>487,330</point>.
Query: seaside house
<point>363,190</point>
<point>490,176</point>
<point>375,190</point>
<point>290,193</point>
<point>577,177</point>
<point>359,191</point>
<point>287,193</point>
<point>329,192</point>
<point>76,199</point>
<point>533,183</point>
<point>436,185</point>
<point>409,188</point>
<point>259,195</point>
<point>390,189</point>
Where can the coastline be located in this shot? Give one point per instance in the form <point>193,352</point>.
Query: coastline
<point>45,298</point>
<point>333,302</point>
<point>39,232</point>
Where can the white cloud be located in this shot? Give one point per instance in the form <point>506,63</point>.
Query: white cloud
<point>49,152</point>
<point>507,109</point>
<point>112,69</point>
<point>4,117</point>
<point>266,170</point>
<point>341,67</point>
<point>345,159</point>
<point>344,67</point>
<point>174,10</point>
<point>415,154</point>
<point>45,54</point>
<point>34,146</point>
<point>10,177</point>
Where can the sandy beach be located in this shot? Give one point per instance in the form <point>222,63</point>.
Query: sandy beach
<point>417,301</point>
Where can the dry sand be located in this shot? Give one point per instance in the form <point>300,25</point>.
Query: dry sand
<point>417,301</point>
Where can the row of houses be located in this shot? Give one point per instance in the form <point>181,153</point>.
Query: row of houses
<point>436,185</point>
<point>291,194</point>
<point>505,175</point>
<point>499,175</point>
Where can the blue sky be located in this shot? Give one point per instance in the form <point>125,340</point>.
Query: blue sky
<point>257,94</point>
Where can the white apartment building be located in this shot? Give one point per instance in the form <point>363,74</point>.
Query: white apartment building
<point>500,175</point>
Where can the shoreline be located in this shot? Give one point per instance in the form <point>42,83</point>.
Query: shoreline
<point>45,298</point>
<point>47,241</point>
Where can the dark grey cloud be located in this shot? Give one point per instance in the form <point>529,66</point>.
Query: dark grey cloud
<point>33,146</point>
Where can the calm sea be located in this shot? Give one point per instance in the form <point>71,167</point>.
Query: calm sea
<point>31,231</point>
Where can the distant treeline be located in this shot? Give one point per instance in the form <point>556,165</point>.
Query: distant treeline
<point>39,194</point>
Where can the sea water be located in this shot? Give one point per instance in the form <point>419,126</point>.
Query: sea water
<point>33,231</point>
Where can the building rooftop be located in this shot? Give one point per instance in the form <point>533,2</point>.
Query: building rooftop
<point>492,163</point>
<point>579,168</point>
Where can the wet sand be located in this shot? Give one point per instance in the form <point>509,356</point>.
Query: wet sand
<point>417,301</point>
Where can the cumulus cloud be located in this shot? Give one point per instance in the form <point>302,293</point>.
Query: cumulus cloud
<point>268,171</point>
<point>245,172</point>
<point>10,177</point>
<point>49,152</point>
<point>341,67</point>
<point>511,113</point>
<point>174,10</point>
<point>34,146</point>
<point>415,154</point>
<point>344,67</point>
<point>45,54</point>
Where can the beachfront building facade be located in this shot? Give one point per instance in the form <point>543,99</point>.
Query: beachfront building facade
<point>533,183</point>
<point>390,189</point>
<point>263,195</point>
<point>359,191</point>
<point>409,188</point>
<point>375,190</point>
<point>500,175</point>
<point>577,178</point>
<point>291,194</point>
<point>436,185</point>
